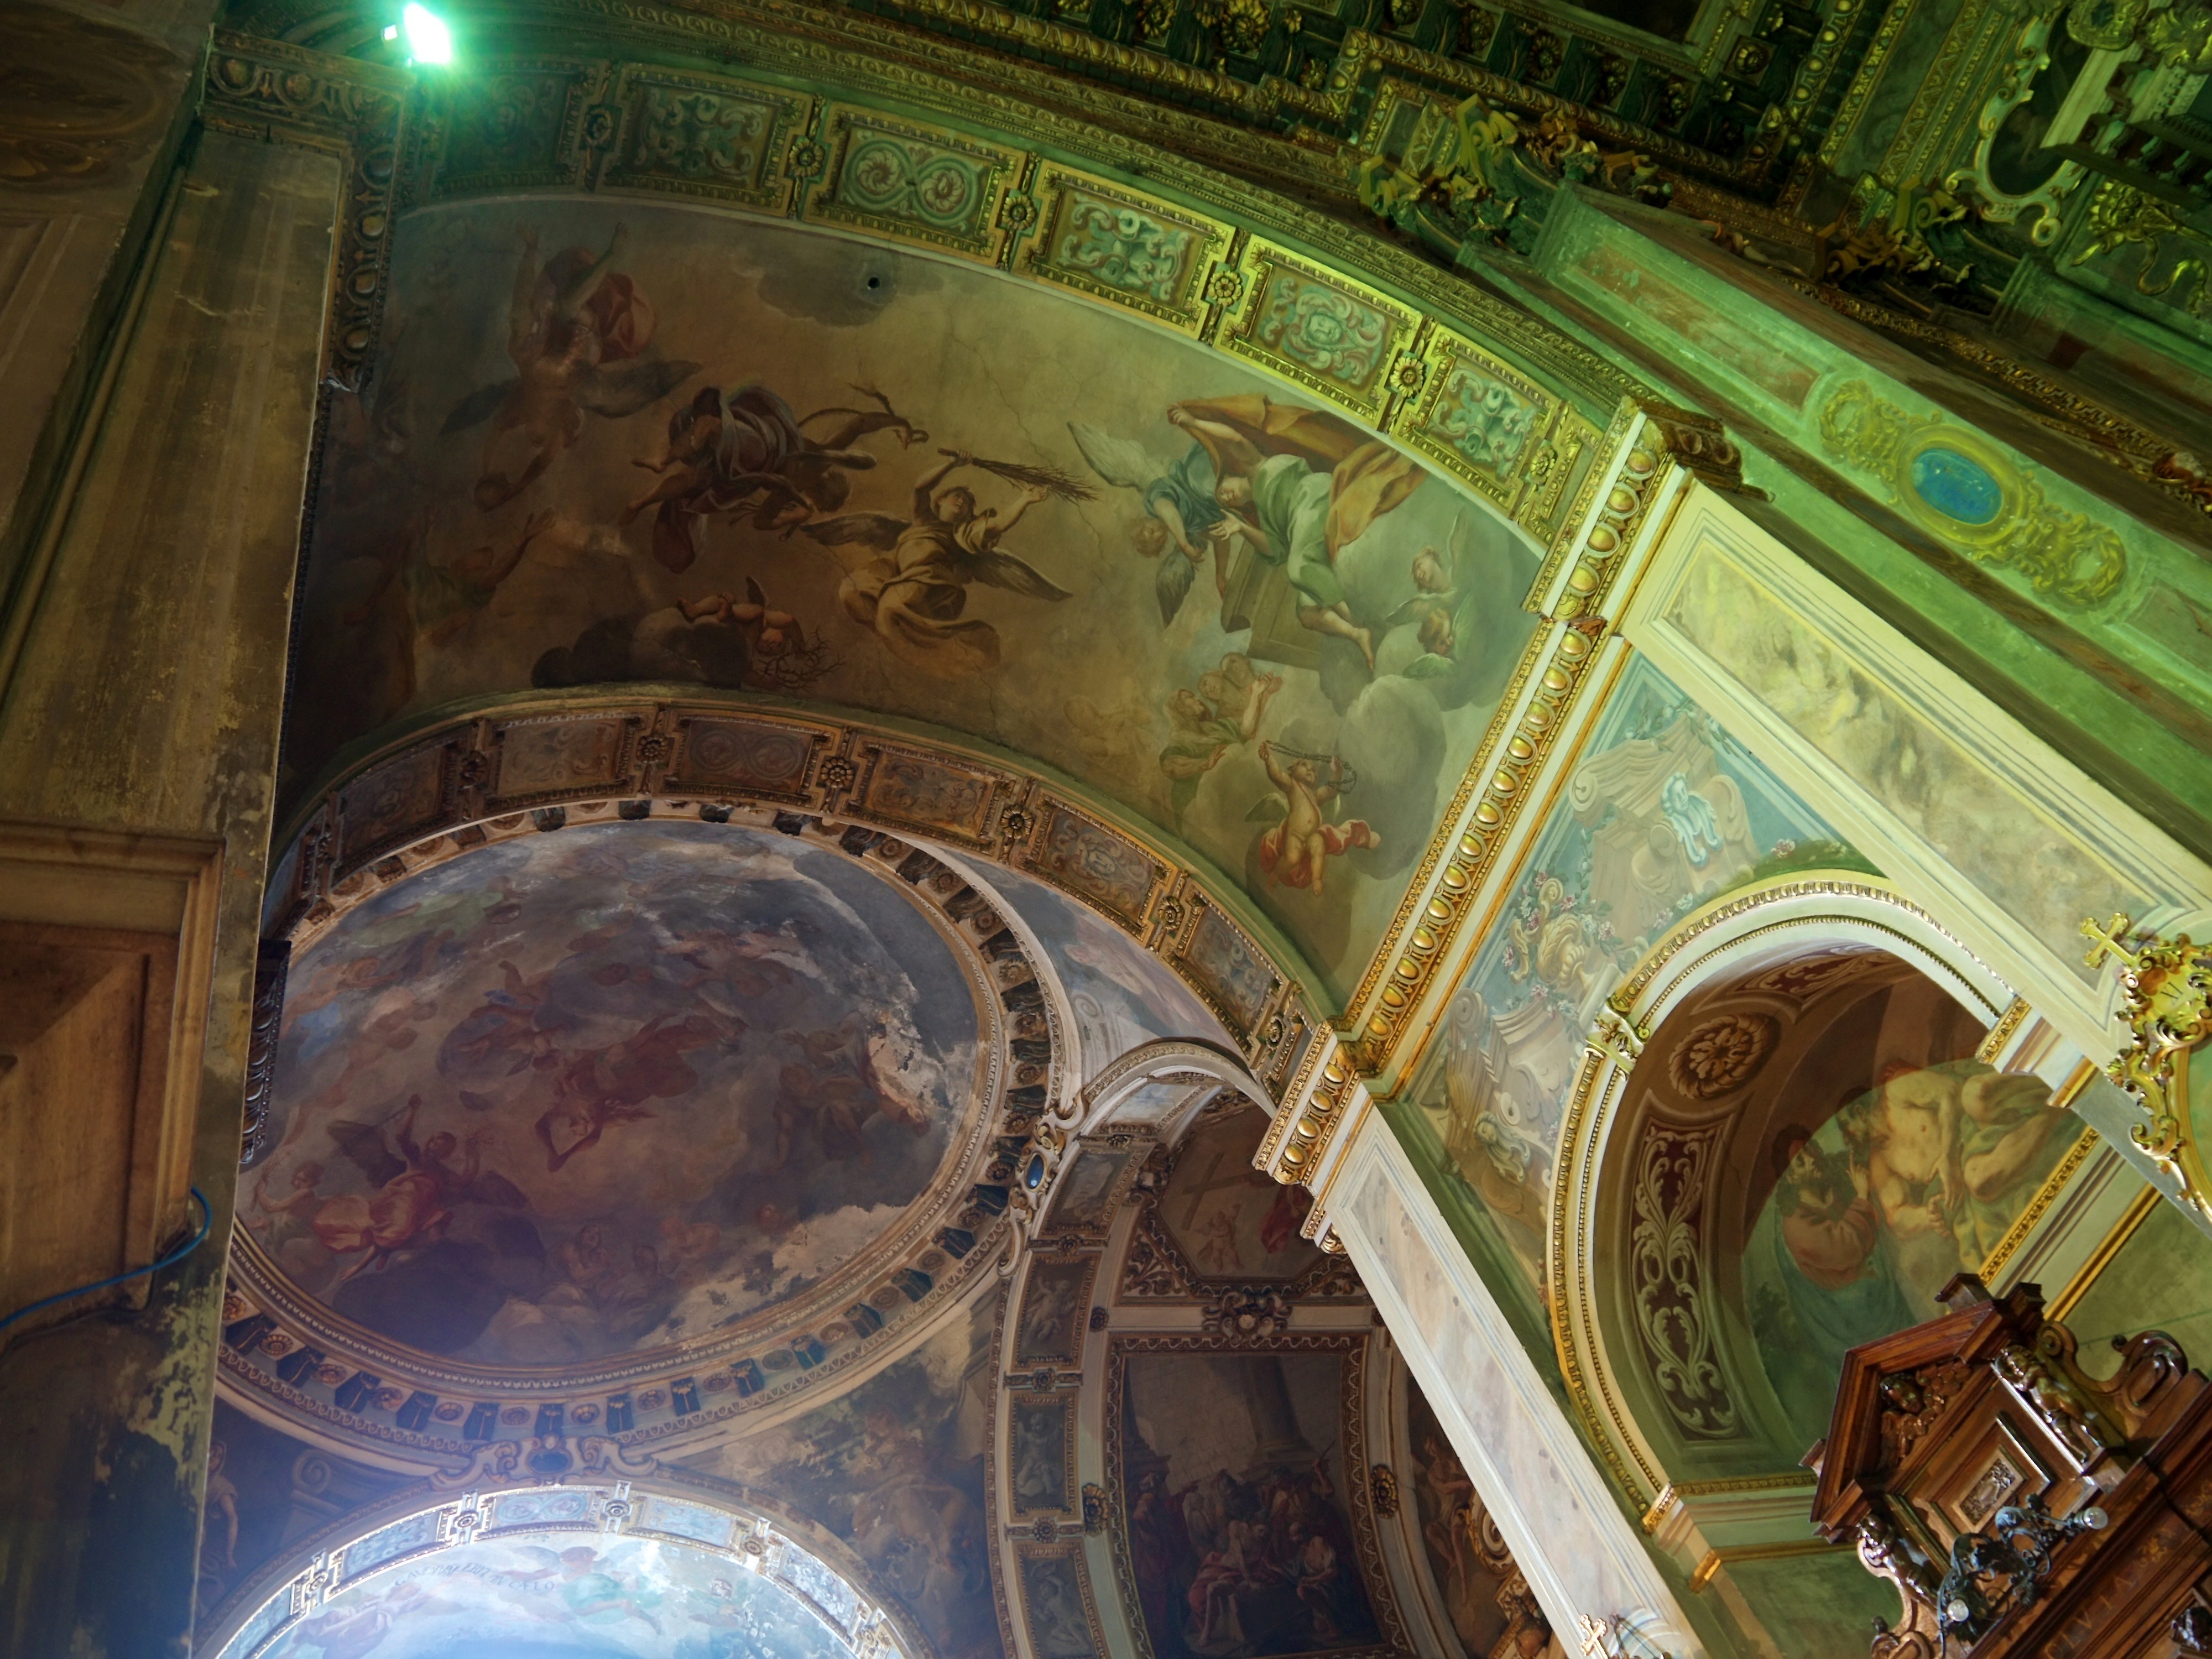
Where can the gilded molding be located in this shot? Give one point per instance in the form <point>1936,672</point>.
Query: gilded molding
<point>1999,1037</point>
<point>2165,1003</point>
<point>1491,797</point>
<point>2047,1194</point>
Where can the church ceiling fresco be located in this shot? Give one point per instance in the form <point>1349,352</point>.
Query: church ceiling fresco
<point>895,1468</point>
<point>1905,1162</point>
<point>578,1095</point>
<point>1244,1526</point>
<point>648,445</point>
<point>1227,1219</point>
<point>1664,810</point>
<point>1123,997</point>
<point>565,1595</point>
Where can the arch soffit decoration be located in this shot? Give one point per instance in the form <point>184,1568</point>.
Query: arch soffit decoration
<point>1789,917</point>
<point>1582,492</point>
<point>438,787</point>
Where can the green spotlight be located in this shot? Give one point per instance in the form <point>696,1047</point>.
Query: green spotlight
<point>428,39</point>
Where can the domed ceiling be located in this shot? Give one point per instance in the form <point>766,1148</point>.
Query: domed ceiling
<point>565,1595</point>
<point>581,1094</point>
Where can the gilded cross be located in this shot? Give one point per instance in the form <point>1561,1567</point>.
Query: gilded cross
<point>2106,941</point>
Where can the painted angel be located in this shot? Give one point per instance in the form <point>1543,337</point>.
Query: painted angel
<point>913,594</point>
<point>416,1189</point>
<point>1441,607</point>
<point>577,332</point>
<point>1297,487</point>
<point>1183,523</point>
<point>1293,853</point>
<point>1222,714</point>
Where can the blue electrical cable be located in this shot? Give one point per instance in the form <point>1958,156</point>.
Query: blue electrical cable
<point>207,1221</point>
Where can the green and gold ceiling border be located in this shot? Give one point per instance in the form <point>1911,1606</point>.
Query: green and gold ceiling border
<point>554,118</point>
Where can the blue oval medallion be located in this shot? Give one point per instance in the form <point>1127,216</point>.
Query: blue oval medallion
<point>1957,486</point>
<point>1033,1177</point>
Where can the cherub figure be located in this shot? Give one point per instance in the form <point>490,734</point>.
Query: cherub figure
<point>574,325</point>
<point>1222,714</point>
<point>1291,853</point>
<point>1441,608</point>
<point>778,656</point>
<point>914,594</point>
<point>280,1220</point>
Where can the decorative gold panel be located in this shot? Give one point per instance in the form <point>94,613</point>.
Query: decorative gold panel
<point>912,183</point>
<point>1114,243</point>
<point>1339,338</point>
<point>700,135</point>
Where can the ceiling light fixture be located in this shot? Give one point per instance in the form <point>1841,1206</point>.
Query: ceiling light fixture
<point>428,39</point>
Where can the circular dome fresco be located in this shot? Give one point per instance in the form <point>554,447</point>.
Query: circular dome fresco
<point>567,1097</point>
<point>540,1575</point>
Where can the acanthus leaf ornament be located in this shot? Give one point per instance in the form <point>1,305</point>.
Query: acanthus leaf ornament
<point>2165,989</point>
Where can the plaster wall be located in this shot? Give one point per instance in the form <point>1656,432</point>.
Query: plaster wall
<point>147,702</point>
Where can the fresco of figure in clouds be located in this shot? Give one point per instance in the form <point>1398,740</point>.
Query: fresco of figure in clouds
<point>1294,852</point>
<point>914,595</point>
<point>577,332</point>
<point>1182,523</point>
<point>716,638</point>
<point>744,452</point>
<point>644,1101</point>
<point>1223,712</point>
<point>784,534</point>
<point>1296,486</point>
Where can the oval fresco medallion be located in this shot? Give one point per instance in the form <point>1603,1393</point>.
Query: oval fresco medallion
<point>575,1095</point>
<point>1956,485</point>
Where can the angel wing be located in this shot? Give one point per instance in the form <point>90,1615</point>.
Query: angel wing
<point>1118,461</point>
<point>1268,809</point>
<point>479,407</point>
<point>1177,573</point>
<point>1005,570</point>
<point>625,388</point>
<point>877,529</point>
<point>1412,611</point>
<point>363,1146</point>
